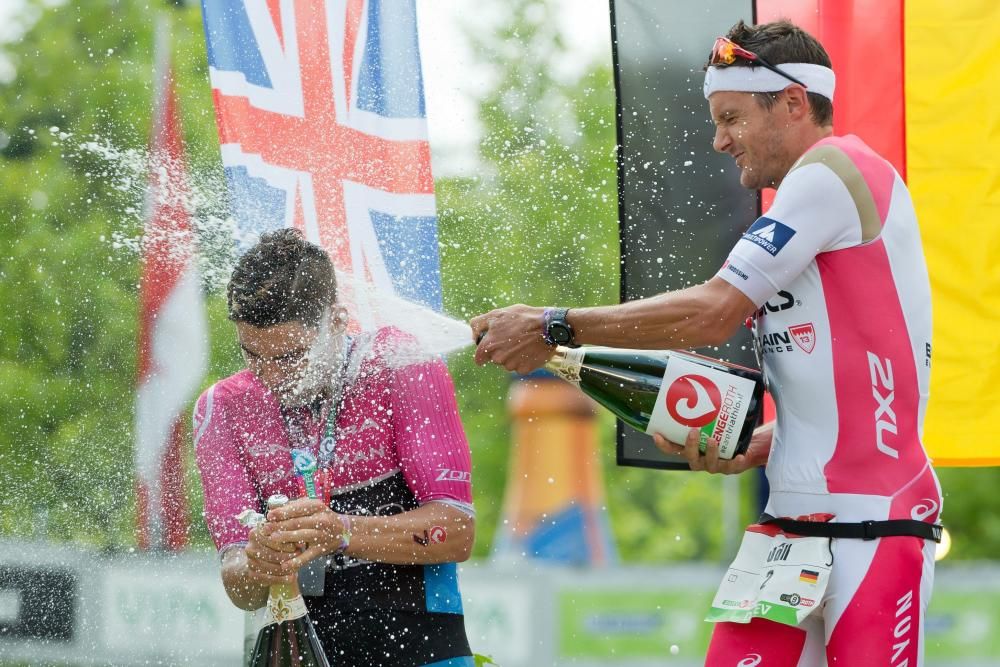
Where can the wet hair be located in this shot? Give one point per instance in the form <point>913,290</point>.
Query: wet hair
<point>284,278</point>
<point>783,42</point>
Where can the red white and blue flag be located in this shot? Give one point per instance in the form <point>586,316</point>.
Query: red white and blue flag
<point>173,334</point>
<point>321,116</point>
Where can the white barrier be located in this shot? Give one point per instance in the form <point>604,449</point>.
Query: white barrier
<point>77,606</point>
<point>122,609</point>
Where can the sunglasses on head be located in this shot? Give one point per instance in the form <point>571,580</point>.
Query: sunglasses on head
<point>726,51</point>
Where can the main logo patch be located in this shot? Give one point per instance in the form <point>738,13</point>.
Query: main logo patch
<point>769,234</point>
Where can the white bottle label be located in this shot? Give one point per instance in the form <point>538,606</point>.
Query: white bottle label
<point>567,364</point>
<point>281,609</point>
<point>696,396</point>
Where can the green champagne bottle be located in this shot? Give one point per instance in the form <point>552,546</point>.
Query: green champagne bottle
<point>669,392</point>
<point>288,638</point>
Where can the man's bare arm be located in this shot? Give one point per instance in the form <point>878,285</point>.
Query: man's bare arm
<point>706,314</point>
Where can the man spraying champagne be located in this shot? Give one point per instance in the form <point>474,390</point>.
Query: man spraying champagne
<point>845,552</point>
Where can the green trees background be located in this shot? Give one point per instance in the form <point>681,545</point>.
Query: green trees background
<point>536,224</point>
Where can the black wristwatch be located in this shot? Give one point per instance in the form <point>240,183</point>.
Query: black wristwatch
<point>556,330</point>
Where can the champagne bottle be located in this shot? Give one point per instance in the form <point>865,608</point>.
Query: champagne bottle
<point>288,637</point>
<point>669,392</point>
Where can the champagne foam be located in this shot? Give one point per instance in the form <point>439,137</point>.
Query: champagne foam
<point>203,193</point>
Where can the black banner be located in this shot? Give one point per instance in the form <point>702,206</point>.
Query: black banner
<point>680,204</point>
<point>37,603</point>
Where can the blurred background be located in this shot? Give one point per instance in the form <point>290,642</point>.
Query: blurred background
<point>521,113</point>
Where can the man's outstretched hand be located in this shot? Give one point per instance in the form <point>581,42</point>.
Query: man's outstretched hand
<point>512,338</point>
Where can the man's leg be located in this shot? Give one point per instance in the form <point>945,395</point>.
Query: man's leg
<point>876,601</point>
<point>766,643</point>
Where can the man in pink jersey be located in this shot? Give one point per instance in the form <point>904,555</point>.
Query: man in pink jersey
<point>382,422</point>
<point>849,526</point>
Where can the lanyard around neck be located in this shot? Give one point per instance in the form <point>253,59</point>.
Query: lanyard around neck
<point>327,439</point>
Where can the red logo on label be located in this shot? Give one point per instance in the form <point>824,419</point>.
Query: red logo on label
<point>693,400</point>
<point>804,336</point>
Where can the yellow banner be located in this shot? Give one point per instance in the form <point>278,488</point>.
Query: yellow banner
<point>952,70</point>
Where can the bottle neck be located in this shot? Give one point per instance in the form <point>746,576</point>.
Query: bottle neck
<point>284,603</point>
<point>566,363</point>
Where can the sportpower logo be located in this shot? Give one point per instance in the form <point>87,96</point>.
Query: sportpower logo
<point>693,400</point>
<point>768,234</point>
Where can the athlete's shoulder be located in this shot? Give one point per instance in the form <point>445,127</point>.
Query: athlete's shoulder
<point>239,387</point>
<point>846,154</point>
<point>237,398</point>
<point>867,179</point>
<point>387,341</point>
<point>387,349</point>
<point>241,384</point>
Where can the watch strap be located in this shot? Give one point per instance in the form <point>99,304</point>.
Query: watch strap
<point>556,316</point>
<point>546,320</point>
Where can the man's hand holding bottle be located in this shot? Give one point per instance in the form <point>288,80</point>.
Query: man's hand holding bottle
<point>292,535</point>
<point>266,553</point>
<point>755,456</point>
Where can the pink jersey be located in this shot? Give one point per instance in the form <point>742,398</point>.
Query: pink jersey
<point>395,418</point>
<point>838,270</point>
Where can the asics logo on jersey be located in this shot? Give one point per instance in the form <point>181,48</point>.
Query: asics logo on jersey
<point>769,234</point>
<point>783,301</point>
<point>693,400</point>
<point>751,660</point>
<point>883,393</point>
<point>925,508</point>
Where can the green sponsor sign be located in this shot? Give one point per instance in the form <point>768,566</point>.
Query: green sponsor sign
<point>963,624</point>
<point>634,624</point>
<point>605,625</point>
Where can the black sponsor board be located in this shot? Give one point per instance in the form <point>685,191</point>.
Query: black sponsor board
<point>680,204</point>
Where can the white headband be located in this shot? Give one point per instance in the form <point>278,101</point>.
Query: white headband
<point>757,79</point>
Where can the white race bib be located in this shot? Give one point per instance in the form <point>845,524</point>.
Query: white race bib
<point>781,578</point>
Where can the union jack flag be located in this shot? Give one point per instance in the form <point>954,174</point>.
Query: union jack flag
<point>321,116</point>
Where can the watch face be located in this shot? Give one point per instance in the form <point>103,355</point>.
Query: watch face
<point>559,333</point>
